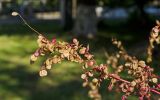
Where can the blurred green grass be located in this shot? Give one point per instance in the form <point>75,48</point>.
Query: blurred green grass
<point>20,81</point>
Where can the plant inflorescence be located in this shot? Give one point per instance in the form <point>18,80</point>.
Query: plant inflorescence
<point>142,82</point>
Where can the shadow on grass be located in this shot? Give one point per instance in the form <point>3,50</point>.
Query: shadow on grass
<point>71,90</point>
<point>17,83</point>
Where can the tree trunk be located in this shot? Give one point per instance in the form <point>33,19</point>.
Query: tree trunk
<point>86,19</point>
<point>66,14</point>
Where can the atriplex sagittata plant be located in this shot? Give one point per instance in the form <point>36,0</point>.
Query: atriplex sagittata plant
<point>143,81</point>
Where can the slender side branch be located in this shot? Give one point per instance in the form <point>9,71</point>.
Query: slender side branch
<point>118,78</point>
<point>25,22</point>
<point>155,91</point>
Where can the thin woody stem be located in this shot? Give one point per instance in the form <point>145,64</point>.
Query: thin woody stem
<point>155,91</point>
<point>118,78</point>
<point>25,22</point>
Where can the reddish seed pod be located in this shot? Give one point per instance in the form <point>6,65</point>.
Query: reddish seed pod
<point>82,50</point>
<point>158,85</point>
<point>53,40</point>
<point>90,63</point>
<point>156,30</point>
<point>75,41</point>
<point>36,54</point>
<point>88,56</point>
<point>123,97</point>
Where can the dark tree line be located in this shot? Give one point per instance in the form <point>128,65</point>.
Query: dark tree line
<point>85,5</point>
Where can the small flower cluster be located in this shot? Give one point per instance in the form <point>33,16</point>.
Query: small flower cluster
<point>142,80</point>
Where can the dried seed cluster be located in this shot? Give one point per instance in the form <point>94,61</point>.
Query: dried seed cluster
<point>142,80</point>
<point>154,38</point>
